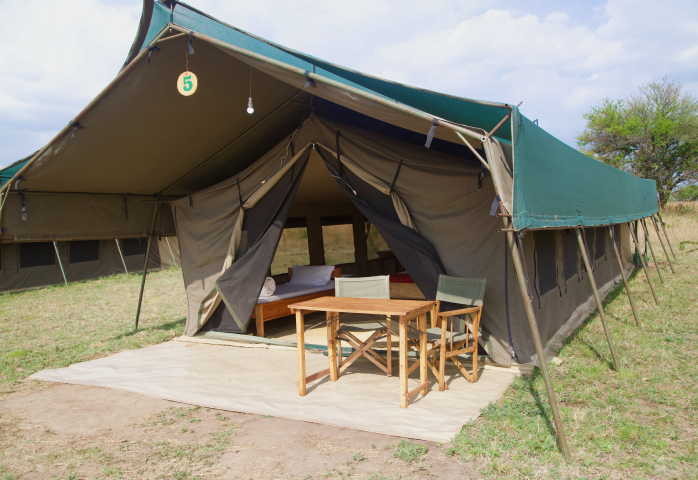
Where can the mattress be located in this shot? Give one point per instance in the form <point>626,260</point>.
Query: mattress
<point>287,290</point>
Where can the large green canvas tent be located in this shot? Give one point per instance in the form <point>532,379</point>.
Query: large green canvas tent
<point>428,170</point>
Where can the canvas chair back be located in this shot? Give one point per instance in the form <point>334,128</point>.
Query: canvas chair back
<point>461,291</point>
<point>364,287</point>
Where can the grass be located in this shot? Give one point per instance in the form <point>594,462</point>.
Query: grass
<point>409,452</point>
<point>637,422</point>
<point>96,318</point>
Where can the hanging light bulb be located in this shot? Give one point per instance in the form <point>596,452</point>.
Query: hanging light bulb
<point>250,108</point>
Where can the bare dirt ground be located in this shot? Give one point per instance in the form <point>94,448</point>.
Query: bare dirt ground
<point>74,432</point>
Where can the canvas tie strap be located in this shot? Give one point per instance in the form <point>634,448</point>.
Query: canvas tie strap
<point>481,177</point>
<point>519,236</point>
<point>495,205</point>
<point>126,204</point>
<point>191,38</point>
<point>309,82</point>
<point>24,204</point>
<point>151,50</point>
<point>19,179</point>
<point>430,135</point>
<point>392,186</point>
<point>76,125</point>
<point>242,207</point>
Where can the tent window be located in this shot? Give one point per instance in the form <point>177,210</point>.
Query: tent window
<point>616,235</point>
<point>338,239</point>
<point>545,255</point>
<point>374,242</point>
<point>134,246</point>
<point>292,248</point>
<point>599,243</point>
<point>569,254</point>
<point>84,251</point>
<point>36,254</point>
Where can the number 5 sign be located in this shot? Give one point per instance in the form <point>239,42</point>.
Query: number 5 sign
<point>187,83</point>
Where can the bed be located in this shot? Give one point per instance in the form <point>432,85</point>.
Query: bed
<point>276,306</point>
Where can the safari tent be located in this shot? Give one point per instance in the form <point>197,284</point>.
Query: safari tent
<point>453,185</point>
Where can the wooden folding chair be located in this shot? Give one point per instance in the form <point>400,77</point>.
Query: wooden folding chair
<point>367,287</point>
<point>455,332</point>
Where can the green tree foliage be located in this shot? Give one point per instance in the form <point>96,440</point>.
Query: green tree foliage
<point>687,193</point>
<point>652,134</point>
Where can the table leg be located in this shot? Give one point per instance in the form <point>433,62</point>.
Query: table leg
<point>331,344</point>
<point>300,346</point>
<point>389,346</point>
<point>423,351</point>
<point>403,363</point>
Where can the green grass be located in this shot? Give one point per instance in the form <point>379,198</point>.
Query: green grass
<point>637,422</point>
<point>408,451</point>
<point>57,326</point>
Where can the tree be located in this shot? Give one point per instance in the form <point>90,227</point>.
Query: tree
<point>688,193</point>
<point>652,134</point>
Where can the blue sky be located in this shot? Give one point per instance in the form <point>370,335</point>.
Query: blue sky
<point>559,58</point>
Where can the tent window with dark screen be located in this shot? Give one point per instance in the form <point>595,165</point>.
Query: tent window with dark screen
<point>546,257</point>
<point>84,251</point>
<point>36,254</point>
<point>600,243</point>
<point>134,246</point>
<point>570,255</point>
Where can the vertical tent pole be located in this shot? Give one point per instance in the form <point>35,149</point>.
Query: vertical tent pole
<point>145,272</point>
<point>118,247</point>
<point>656,229</point>
<point>647,238</point>
<point>622,272</point>
<point>521,276</point>
<point>55,247</point>
<point>644,265</point>
<point>168,246</point>
<point>602,315</point>
<point>661,221</point>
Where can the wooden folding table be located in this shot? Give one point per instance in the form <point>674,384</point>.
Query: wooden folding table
<point>407,310</point>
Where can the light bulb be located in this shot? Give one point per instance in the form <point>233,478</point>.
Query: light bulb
<point>250,108</point>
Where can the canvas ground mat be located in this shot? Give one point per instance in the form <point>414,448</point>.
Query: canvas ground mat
<point>263,381</point>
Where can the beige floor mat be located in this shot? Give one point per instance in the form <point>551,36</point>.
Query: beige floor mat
<point>263,381</point>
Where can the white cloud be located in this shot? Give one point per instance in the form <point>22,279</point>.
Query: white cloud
<point>559,59</point>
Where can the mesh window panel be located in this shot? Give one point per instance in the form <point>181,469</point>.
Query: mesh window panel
<point>134,246</point>
<point>599,243</point>
<point>569,254</point>
<point>291,250</point>
<point>374,242</point>
<point>36,254</point>
<point>338,241</point>
<point>84,251</point>
<point>545,256</point>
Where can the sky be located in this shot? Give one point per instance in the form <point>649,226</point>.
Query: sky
<point>560,58</point>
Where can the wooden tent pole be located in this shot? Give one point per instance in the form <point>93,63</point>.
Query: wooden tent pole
<point>661,221</point>
<point>599,305</point>
<point>644,265</point>
<point>145,272</point>
<point>58,257</point>
<point>622,272</point>
<point>656,229</point>
<point>647,239</point>
<point>121,254</point>
<point>521,276</point>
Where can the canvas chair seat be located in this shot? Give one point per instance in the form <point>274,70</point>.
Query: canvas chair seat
<point>361,327</point>
<point>434,335</point>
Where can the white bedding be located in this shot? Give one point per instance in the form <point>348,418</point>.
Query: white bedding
<point>288,290</point>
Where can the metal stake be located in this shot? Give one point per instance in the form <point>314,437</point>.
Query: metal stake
<point>55,247</point>
<point>118,247</point>
<point>622,272</point>
<point>644,265</point>
<point>168,246</point>
<point>661,220</point>
<point>145,272</point>
<point>538,343</point>
<point>656,229</point>
<point>602,315</point>
<point>647,239</point>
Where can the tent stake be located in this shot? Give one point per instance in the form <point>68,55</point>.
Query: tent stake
<point>538,343</point>
<point>661,220</point>
<point>647,238</point>
<point>55,247</point>
<point>644,265</point>
<point>622,272</point>
<point>602,315</point>
<point>145,272</point>
<point>656,229</point>
<point>168,246</point>
<point>118,246</point>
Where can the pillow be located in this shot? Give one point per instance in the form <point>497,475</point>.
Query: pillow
<point>311,275</point>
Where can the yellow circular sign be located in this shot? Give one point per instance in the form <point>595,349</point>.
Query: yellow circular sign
<point>187,83</point>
